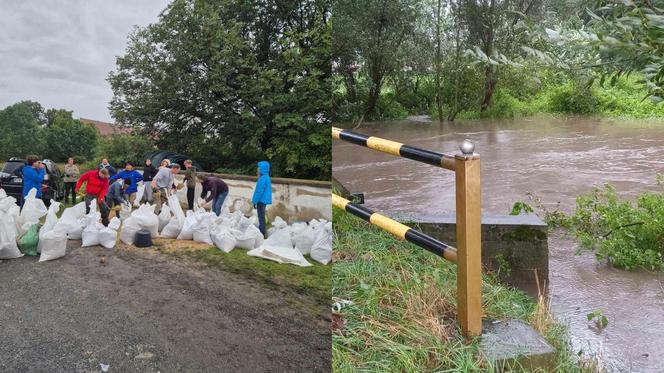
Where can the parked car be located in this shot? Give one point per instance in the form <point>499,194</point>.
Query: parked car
<point>12,181</point>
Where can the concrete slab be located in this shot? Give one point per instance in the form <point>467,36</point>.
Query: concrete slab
<point>513,344</point>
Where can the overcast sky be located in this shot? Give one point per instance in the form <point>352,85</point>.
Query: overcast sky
<point>59,52</point>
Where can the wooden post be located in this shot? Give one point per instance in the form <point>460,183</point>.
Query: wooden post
<point>469,252</point>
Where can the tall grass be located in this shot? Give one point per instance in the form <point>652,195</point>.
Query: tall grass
<point>403,315</point>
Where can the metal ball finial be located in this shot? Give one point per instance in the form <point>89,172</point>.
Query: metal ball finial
<point>467,147</point>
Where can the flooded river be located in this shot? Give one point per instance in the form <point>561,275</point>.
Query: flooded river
<point>556,159</point>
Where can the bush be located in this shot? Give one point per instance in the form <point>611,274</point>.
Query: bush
<point>390,108</point>
<point>627,235</point>
<point>572,98</point>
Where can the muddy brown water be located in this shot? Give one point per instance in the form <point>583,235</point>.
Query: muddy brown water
<point>556,159</point>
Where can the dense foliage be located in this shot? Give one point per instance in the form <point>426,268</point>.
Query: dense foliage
<point>231,82</point>
<point>498,58</point>
<point>628,235</point>
<point>124,148</point>
<point>26,128</point>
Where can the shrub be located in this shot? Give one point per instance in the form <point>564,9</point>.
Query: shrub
<point>572,98</point>
<point>625,234</point>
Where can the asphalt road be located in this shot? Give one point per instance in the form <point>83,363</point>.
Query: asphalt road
<point>143,311</point>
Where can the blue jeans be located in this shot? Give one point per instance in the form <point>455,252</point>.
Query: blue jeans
<point>218,202</point>
<point>260,208</point>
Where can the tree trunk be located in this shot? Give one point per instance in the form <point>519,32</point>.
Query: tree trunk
<point>439,99</point>
<point>372,101</point>
<point>490,72</point>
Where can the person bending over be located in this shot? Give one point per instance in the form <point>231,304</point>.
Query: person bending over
<point>96,187</point>
<point>218,191</point>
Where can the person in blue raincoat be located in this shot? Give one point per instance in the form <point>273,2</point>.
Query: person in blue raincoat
<point>134,176</point>
<point>262,193</point>
<point>33,176</point>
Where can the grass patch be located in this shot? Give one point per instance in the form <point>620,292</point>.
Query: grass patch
<point>403,316</point>
<point>312,281</point>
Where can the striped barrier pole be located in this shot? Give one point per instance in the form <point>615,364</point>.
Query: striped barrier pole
<point>468,219</point>
<point>401,231</point>
<point>395,148</point>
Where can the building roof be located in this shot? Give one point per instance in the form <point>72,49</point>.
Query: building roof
<point>105,128</point>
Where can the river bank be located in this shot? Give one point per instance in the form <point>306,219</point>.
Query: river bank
<point>555,159</point>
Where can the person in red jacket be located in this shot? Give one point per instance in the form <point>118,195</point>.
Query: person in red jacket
<point>95,188</point>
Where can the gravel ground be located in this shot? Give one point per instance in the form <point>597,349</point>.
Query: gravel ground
<point>142,311</point>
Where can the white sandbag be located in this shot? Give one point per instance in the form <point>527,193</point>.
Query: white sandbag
<point>176,209</point>
<point>139,194</point>
<point>33,210</point>
<point>54,245</point>
<point>250,239</point>
<point>92,217</point>
<point>223,238</point>
<point>8,232</point>
<point>50,222</point>
<point>128,231</point>
<point>201,229</point>
<point>187,231</point>
<point>277,224</point>
<point>303,237</point>
<point>108,235</point>
<point>321,250</point>
<point>254,218</point>
<point>147,219</point>
<point>90,236</point>
<point>287,255</point>
<point>164,217</point>
<point>125,211</point>
<point>172,229</point>
<point>280,238</point>
<point>70,222</point>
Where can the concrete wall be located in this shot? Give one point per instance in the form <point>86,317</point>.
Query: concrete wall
<point>292,199</point>
<point>522,241</point>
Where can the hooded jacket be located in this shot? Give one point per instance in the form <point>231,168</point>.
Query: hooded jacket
<point>263,191</point>
<point>116,192</point>
<point>33,178</point>
<point>133,175</point>
<point>111,170</point>
<point>96,185</point>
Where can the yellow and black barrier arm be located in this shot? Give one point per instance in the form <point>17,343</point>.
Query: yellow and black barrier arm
<point>401,231</point>
<point>395,148</point>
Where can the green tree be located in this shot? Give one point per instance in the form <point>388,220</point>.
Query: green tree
<point>21,129</point>
<point>248,80</point>
<point>374,32</point>
<point>65,137</point>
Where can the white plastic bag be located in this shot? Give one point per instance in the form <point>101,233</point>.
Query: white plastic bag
<point>33,210</point>
<point>139,194</point>
<point>54,245</point>
<point>321,251</point>
<point>8,232</point>
<point>201,228</point>
<point>223,238</point>
<point>147,219</point>
<point>70,221</point>
<point>250,238</point>
<point>164,217</point>
<point>284,254</point>
<point>129,229</point>
<point>187,231</point>
<point>125,211</point>
<point>90,236</point>
<point>49,223</point>
<point>108,235</point>
<point>242,205</point>
<point>303,237</point>
<point>280,238</point>
<point>172,229</point>
<point>176,209</point>
<point>277,224</point>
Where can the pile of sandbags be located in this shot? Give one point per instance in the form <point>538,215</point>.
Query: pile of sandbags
<point>9,212</point>
<point>72,220</point>
<point>33,210</point>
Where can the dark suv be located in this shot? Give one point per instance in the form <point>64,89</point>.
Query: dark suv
<point>12,181</point>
